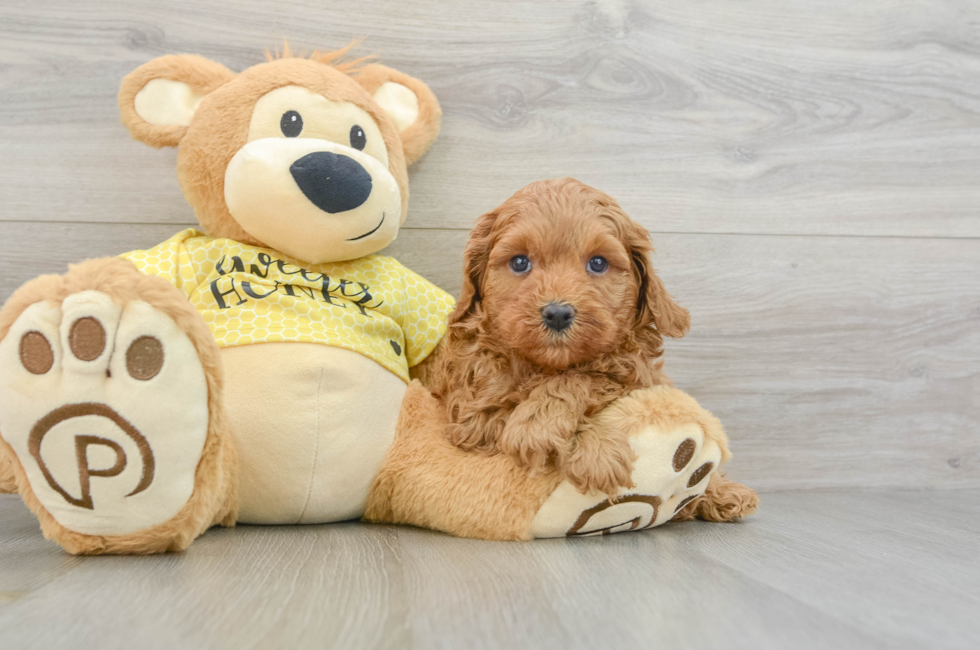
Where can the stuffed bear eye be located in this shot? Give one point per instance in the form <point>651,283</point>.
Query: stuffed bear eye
<point>291,124</point>
<point>598,264</point>
<point>357,138</point>
<point>520,264</point>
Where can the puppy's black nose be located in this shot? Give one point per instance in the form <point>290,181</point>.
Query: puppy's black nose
<point>334,183</point>
<point>557,316</point>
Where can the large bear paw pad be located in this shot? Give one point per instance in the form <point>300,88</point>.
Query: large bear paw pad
<point>671,470</point>
<point>106,408</point>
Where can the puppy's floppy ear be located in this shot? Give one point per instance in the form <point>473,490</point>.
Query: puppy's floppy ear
<point>654,304</point>
<point>157,100</point>
<point>408,102</point>
<point>476,257</point>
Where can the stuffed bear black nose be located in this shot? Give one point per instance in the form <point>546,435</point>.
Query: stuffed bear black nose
<point>334,183</point>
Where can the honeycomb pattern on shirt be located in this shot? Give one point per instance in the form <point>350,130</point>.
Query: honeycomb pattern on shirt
<point>372,305</point>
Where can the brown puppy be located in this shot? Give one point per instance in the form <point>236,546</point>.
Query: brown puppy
<point>561,313</point>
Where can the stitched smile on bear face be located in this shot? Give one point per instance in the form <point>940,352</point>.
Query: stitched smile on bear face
<point>313,179</point>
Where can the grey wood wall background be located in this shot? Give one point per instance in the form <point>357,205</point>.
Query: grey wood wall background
<point>810,172</point>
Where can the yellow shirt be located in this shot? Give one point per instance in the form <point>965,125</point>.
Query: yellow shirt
<point>246,294</point>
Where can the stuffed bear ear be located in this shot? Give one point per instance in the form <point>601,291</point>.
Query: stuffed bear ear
<point>157,100</point>
<point>408,102</point>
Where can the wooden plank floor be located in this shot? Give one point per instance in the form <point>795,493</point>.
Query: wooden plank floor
<point>715,116</point>
<point>817,569</point>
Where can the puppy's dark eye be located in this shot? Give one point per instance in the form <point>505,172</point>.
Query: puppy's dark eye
<point>520,264</point>
<point>598,264</point>
<point>291,124</point>
<point>357,138</point>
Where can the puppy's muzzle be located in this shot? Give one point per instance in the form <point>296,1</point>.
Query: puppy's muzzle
<point>332,182</point>
<point>557,316</point>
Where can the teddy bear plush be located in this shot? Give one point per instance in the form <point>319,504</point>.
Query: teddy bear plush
<point>259,370</point>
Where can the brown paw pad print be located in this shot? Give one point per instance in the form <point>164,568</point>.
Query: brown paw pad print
<point>682,458</point>
<point>86,338</point>
<point>700,474</point>
<point>640,511</point>
<point>35,353</point>
<point>684,502</point>
<point>684,454</point>
<point>144,358</point>
<point>87,341</point>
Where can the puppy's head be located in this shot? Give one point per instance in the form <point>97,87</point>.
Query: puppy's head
<point>562,276</point>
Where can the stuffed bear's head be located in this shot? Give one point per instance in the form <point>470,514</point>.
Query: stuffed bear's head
<point>296,154</point>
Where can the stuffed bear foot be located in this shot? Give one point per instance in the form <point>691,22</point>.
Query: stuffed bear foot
<point>427,481</point>
<point>678,447</point>
<point>105,412</point>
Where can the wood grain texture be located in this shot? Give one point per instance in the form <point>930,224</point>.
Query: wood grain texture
<point>832,361</point>
<point>851,569</point>
<point>753,117</point>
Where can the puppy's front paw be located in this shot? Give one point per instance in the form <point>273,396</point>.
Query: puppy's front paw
<point>525,444</point>
<point>599,464</point>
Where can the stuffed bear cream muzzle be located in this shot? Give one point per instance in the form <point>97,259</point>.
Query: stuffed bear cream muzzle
<point>259,370</point>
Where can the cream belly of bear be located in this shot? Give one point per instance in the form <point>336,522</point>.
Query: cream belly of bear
<point>312,425</point>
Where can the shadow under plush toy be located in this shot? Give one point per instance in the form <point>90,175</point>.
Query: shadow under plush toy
<point>259,371</point>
